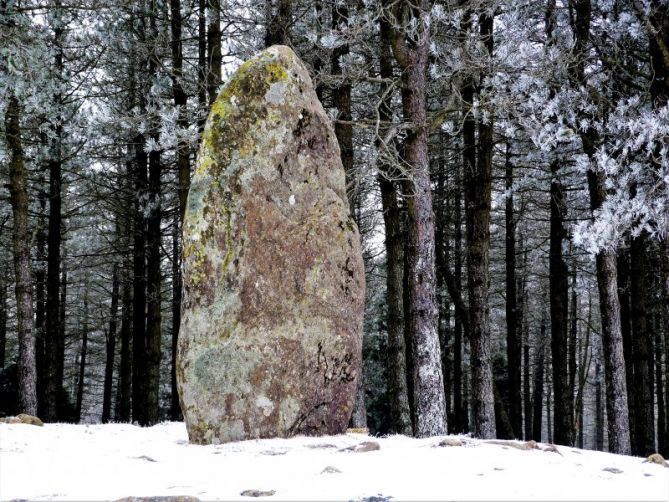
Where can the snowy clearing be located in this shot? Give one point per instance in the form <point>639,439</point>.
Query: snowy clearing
<point>108,462</point>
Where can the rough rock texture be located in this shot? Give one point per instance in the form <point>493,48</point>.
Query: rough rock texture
<point>271,330</point>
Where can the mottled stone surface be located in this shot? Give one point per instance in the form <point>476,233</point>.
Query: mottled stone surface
<point>271,331</point>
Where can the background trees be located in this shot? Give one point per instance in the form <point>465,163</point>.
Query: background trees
<point>506,164</point>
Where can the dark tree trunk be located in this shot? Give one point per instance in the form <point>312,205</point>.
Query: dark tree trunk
<point>27,371</point>
<point>478,186</point>
<point>584,368</point>
<point>279,20</point>
<point>183,167</point>
<point>202,64</point>
<point>153,245</point>
<point>139,404</point>
<point>559,295</point>
<point>125,367</point>
<point>82,359</point>
<point>412,56</point>
<point>110,348</point>
<point>3,314</point>
<point>662,439</point>
<point>573,341</point>
<point>644,412</point>
<point>214,55</point>
<point>459,410</point>
<point>40,300</point>
<point>527,393</point>
<point>549,424</point>
<point>609,305</point>
<point>537,397</point>
<point>599,410</point>
<point>513,345</point>
<point>400,410</point>
<point>623,268</point>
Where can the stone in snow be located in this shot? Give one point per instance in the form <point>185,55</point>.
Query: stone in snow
<point>271,331</point>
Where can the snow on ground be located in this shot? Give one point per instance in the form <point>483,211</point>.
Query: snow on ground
<point>108,462</point>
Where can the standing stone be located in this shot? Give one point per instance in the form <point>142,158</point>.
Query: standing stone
<point>271,330</point>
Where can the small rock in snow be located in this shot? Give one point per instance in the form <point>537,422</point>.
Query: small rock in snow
<point>363,447</point>
<point>330,470</point>
<point>452,442</point>
<point>613,470</point>
<point>257,493</point>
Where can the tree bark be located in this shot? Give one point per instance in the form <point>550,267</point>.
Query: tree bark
<point>513,345</point>
<point>478,186</point>
<point>537,397</point>
<point>412,56</point>
<point>559,294</point>
<point>398,395</point>
<point>214,55</point>
<point>279,21</point>
<point>82,359</point>
<point>459,409</point>
<point>183,167</point>
<point>153,245</point>
<point>623,269</point>
<point>39,272</point>
<point>3,315</point>
<point>27,371</point>
<point>599,410</point>
<point>644,406</point>
<point>609,305</point>
<point>110,348</point>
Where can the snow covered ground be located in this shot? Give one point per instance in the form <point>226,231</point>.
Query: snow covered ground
<point>108,462</point>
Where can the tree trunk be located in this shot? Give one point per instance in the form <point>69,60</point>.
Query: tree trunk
<point>82,359</point>
<point>513,345</point>
<point>153,245</point>
<point>39,272</point>
<point>125,367</point>
<point>599,410</point>
<point>573,341</point>
<point>559,295</point>
<point>459,410</point>
<point>623,269</point>
<point>214,55</point>
<point>110,348</point>
<point>3,314</point>
<point>398,395</point>
<point>183,167</point>
<point>202,64</point>
<point>609,305</point>
<point>279,21</point>
<point>429,402</point>
<point>644,412</point>
<point>537,397</point>
<point>27,371</point>
<point>662,439</point>
<point>478,186</point>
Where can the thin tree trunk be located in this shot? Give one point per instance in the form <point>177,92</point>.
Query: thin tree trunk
<point>573,341</point>
<point>549,425</point>
<point>478,186</point>
<point>644,412</point>
<point>584,369</point>
<point>559,295</point>
<point>125,368</point>
<point>82,359</point>
<point>623,269</point>
<point>110,348</point>
<point>39,272</point>
<point>202,64</point>
<point>662,439</point>
<point>153,245</point>
<point>214,55</point>
<point>599,410</point>
<point>398,394</point>
<point>279,20</point>
<point>513,345</point>
<point>537,397</point>
<point>3,313</point>
<point>27,371</point>
<point>428,379</point>
<point>459,410</point>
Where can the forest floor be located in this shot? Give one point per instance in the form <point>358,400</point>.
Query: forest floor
<point>109,462</point>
